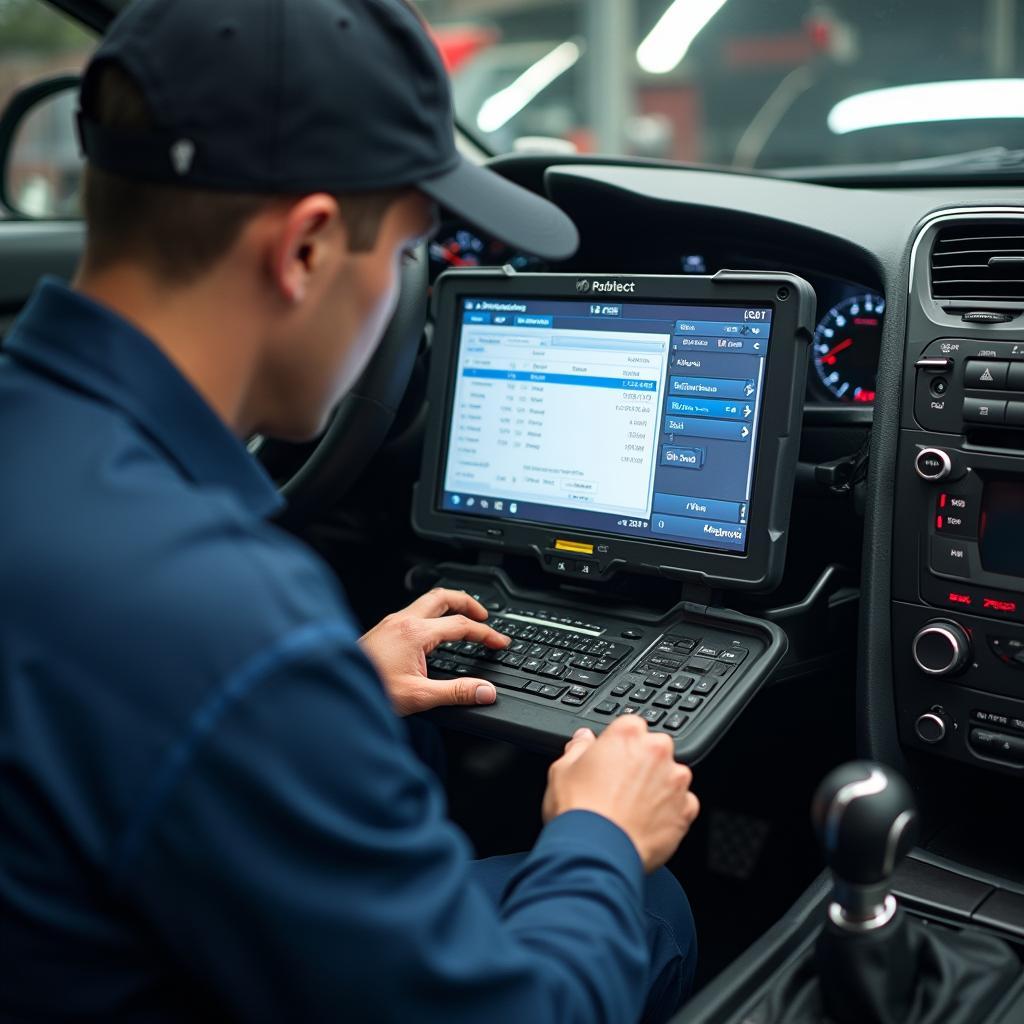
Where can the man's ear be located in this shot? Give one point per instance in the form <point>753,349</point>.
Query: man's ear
<point>310,235</point>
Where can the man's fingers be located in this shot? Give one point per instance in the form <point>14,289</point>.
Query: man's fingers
<point>458,627</point>
<point>582,740</point>
<point>464,690</point>
<point>440,601</point>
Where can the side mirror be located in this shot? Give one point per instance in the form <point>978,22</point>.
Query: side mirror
<point>40,162</point>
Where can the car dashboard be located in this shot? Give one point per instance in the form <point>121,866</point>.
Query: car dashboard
<point>849,322</point>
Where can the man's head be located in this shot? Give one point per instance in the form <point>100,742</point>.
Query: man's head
<point>257,169</point>
<point>325,265</point>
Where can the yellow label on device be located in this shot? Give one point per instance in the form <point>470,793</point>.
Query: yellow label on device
<point>574,545</point>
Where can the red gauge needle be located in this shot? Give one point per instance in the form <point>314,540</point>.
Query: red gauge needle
<point>829,358</point>
<point>448,252</point>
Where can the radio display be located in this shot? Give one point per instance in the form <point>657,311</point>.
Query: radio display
<point>1001,531</point>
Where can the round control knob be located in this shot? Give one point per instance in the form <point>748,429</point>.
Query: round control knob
<point>932,464</point>
<point>930,727</point>
<point>941,648</point>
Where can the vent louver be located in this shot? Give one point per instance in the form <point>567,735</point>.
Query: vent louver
<point>979,261</point>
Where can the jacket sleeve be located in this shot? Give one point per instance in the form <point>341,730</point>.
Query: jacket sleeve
<point>297,860</point>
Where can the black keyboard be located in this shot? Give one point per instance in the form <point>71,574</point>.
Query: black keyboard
<point>684,675</point>
<point>548,657</point>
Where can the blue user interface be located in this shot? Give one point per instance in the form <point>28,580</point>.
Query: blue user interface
<point>629,418</point>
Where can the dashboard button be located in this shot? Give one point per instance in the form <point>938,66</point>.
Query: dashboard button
<point>984,410</point>
<point>1015,377</point>
<point>941,648</point>
<point>1015,414</point>
<point>930,727</point>
<point>932,464</point>
<point>951,557</point>
<point>985,373</point>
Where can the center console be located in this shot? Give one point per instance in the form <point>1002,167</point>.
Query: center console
<point>606,428</point>
<point>958,570</point>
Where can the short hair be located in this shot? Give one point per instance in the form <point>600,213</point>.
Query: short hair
<point>180,232</point>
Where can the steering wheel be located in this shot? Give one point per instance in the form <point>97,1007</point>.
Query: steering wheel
<point>360,424</point>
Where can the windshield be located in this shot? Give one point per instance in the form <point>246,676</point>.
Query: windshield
<point>744,83</point>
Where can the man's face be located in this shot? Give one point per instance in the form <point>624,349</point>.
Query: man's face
<point>342,319</point>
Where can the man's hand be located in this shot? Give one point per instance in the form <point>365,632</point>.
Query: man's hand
<point>399,644</point>
<point>628,775</point>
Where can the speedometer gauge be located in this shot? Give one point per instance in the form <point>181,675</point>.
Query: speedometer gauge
<point>846,346</point>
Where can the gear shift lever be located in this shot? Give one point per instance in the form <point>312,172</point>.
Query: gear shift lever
<point>872,963</point>
<point>866,822</point>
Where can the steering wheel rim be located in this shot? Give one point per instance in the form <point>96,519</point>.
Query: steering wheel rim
<point>363,417</point>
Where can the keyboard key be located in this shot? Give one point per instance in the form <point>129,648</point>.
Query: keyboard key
<point>660,661</point>
<point>534,687</point>
<point>551,691</point>
<point>616,651</point>
<point>469,648</point>
<point>665,647</point>
<point>552,670</point>
<point>721,669</point>
<point>537,651</point>
<point>583,646</point>
<point>448,645</point>
<point>684,643</point>
<point>607,707</point>
<point>653,715</point>
<point>701,665</point>
<point>583,661</point>
<point>691,702</point>
<point>579,691</point>
<point>675,721</point>
<point>681,683</point>
<point>573,702</point>
<point>532,665</point>
<point>508,682</point>
<point>620,689</point>
<point>705,651</point>
<point>657,678</point>
<point>517,646</point>
<point>512,660</point>
<point>574,675</point>
<point>641,695</point>
<point>666,700</point>
<point>705,685</point>
<point>604,664</point>
<point>558,655</point>
<point>629,709</point>
<point>733,654</point>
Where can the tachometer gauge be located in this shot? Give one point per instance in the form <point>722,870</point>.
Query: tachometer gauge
<point>846,346</point>
<point>462,249</point>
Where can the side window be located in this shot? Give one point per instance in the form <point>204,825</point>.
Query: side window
<point>44,167</point>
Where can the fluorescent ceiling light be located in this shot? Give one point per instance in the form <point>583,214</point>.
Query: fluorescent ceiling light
<point>970,99</point>
<point>666,44</point>
<point>499,109</point>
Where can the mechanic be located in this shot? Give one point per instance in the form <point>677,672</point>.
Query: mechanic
<point>209,807</point>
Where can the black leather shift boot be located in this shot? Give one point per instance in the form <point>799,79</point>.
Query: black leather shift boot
<point>904,973</point>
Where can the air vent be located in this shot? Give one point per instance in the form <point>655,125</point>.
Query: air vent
<point>979,261</point>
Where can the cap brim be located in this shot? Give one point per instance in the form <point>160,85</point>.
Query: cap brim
<point>514,215</point>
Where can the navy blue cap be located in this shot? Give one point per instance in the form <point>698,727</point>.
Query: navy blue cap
<point>286,97</point>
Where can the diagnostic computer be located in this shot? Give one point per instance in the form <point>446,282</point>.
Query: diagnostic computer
<point>606,428</point>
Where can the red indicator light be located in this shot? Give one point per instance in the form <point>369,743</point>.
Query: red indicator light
<point>998,606</point>
<point>864,395</point>
<point>955,598</point>
<point>938,522</point>
<point>942,501</point>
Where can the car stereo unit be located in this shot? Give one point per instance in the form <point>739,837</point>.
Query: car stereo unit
<point>647,424</point>
<point>602,426</point>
